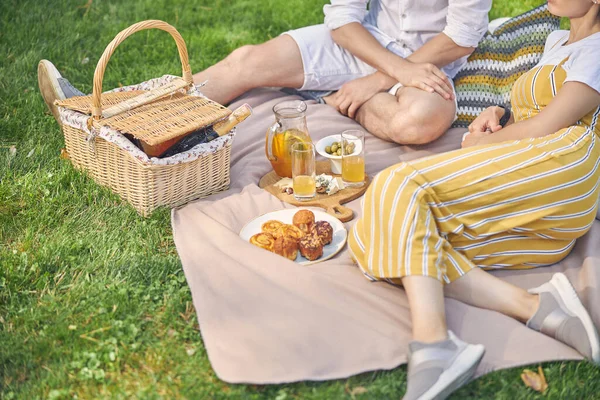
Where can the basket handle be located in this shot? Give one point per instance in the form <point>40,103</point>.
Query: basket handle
<point>147,97</point>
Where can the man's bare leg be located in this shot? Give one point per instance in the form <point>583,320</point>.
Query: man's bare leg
<point>413,116</point>
<point>275,63</point>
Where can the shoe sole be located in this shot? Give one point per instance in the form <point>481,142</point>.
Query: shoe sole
<point>569,297</point>
<point>49,88</point>
<point>457,374</point>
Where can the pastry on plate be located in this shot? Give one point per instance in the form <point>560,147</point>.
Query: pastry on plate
<point>310,246</point>
<point>271,226</point>
<point>263,240</point>
<point>289,231</point>
<point>324,231</point>
<point>286,246</point>
<point>304,219</point>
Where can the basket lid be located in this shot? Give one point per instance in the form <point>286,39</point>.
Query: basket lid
<point>156,122</point>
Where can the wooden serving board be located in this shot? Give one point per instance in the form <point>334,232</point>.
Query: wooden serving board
<point>332,204</point>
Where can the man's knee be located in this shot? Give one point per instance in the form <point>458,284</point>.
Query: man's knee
<point>241,59</point>
<point>420,123</point>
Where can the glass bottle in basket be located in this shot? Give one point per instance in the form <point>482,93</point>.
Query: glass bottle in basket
<point>289,128</point>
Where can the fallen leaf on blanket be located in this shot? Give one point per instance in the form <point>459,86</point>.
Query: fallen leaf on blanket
<point>535,380</point>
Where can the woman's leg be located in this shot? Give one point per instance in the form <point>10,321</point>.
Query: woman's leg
<point>426,300</point>
<point>397,237</point>
<point>483,290</point>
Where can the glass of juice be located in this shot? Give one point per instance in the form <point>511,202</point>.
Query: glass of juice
<point>353,157</point>
<point>303,170</point>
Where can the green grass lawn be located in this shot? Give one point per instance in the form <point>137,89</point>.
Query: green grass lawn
<point>93,300</point>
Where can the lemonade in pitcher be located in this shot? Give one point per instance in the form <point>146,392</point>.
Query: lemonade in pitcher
<point>289,128</point>
<point>282,150</point>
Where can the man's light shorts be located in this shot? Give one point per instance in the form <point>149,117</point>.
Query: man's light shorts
<point>327,66</point>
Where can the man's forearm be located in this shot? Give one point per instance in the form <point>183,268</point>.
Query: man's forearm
<point>359,41</point>
<point>440,51</point>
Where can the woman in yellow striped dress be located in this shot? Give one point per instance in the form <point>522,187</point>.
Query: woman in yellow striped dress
<point>517,195</point>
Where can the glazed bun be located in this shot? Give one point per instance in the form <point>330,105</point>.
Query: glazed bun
<point>271,226</point>
<point>263,240</point>
<point>290,231</point>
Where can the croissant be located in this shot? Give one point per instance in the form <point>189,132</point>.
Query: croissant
<point>289,231</point>
<point>286,246</point>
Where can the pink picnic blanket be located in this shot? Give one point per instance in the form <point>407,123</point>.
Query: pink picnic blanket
<point>265,319</point>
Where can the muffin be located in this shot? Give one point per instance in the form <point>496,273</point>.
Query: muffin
<point>324,231</point>
<point>304,220</point>
<point>310,246</point>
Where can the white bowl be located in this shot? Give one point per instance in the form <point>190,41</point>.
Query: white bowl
<point>336,161</point>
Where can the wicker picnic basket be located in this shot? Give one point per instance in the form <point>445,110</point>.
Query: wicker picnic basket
<point>155,115</point>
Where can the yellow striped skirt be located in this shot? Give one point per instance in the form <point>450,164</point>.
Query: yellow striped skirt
<point>517,204</point>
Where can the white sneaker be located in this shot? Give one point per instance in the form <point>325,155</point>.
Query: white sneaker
<point>435,370</point>
<point>54,87</point>
<point>562,316</point>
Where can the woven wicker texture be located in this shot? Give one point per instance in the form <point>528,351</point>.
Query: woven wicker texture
<point>147,187</point>
<point>83,104</point>
<point>152,116</point>
<point>156,122</point>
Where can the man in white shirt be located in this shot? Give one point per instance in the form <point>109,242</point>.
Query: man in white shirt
<point>391,65</point>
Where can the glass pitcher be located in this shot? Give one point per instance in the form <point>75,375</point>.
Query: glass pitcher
<point>289,128</point>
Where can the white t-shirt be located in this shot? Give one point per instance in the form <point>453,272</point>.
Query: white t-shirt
<point>583,64</point>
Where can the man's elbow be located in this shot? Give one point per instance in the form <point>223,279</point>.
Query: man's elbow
<point>466,51</point>
<point>340,35</point>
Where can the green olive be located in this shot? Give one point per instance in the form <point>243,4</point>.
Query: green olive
<point>339,152</point>
<point>348,149</point>
<point>328,149</point>
<point>334,147</point>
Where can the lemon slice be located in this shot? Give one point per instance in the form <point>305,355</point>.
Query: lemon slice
<point>291,138</point>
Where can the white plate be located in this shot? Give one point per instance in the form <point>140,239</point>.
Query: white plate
<point>339,232</point>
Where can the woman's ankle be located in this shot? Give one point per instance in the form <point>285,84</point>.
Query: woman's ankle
<point>528,307</point>
<point>431,334</point>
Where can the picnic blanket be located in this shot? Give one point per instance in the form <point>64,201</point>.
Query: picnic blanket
<point>265,319</point>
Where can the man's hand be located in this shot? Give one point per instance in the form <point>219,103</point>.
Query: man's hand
<point>424,76</point>
<point>354,94</point>
<point>488,120</point>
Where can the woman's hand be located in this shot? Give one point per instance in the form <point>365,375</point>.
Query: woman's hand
<point>473,139</point>
<point>354,94</point>
<point>488,120</point>
<point>424,76</point>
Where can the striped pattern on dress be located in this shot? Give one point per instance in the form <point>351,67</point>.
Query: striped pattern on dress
<point>516,204</point>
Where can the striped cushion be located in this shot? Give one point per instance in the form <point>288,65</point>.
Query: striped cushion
<point>499,60</point>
